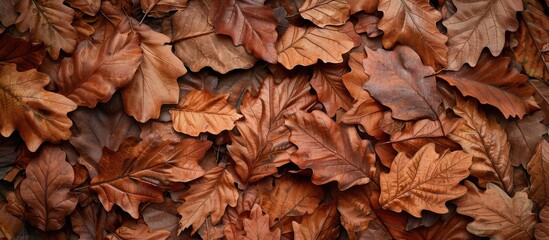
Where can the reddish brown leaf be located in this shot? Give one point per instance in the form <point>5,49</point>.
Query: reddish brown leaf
<point>356,211</point>
<point>49,22</point>
<point>322,224</point>
<point>329,87</point>
<point>8,15</point>
<point>263,143</point>
<point>477,25</point>
<point>131,230</point>
<point>46,189</point>
<point>496,214</point>
<point>494,82</point>
<point>427,128</point>
<point>84,221</point>
<point>524,135</point>
<point>538,168</point>
<point>542,229</point>
<point>424,182</point>
<point>9,150</point>
<point>355,79</point>
<point>201,111</point>
<point>37,114</point>
<point>333,152</point>
<point>17,50</point>
<point>139,171</point>
<point>360,5</point>
<point>159,8</point>
<point>238,82</point>
<point>10,224</point>
<point>325,12</point>
<point>367,113</point>
<point>401,71</point>
<point>96,71</point>
<point>542,97</point>
<point>207,196</point>
<point>248,22</point>
<point>413,23</point>
<point>257,226</point>
<point>90,7</point>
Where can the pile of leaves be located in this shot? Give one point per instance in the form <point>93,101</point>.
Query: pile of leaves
<point>274,119</point>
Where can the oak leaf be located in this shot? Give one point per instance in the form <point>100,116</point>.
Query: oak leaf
<point>333,152</point>
<point>238,82</point>
<point>493,82</point>
<point>257,226</point>
<point>131,230</point>
<point>483,138</point>
<point>139,171</point>
<point>360,5</point>
<point>201,111</point>
<point>207,196</point>
<point>533,37</point>
<point>96,71</point>
<point>248,22</point>
<point>37,114</point>
<point>524,135</point>
<point>477,25</point>
<point>328,84</point>
<point>263,143</point>
<point>356,210</point>
<point>84,221</point>
<point>159,8</point>
<point>424,182</point>
<point>401,70</point>
<point>90,7</point>
<point>542,229</point>
<point>538,168</point>
<point>322,224</point>
<point>198,46</point>
<point>496,214</point>
<point>413,23</point>
<point>356,78</point>
<point>426,128</point>
<point>541,95</point>
<point>17,50</point>
<point>8,14</point>
<point>305,46</point>
<point>325,12</point>
<point>49,22</point>
<point>46,190</point>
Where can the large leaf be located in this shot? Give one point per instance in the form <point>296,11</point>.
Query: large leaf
<point>46,190</point>
<point>424,182</point>
<point>538,168</point>
<point>322,224</point>
<point>333,152</point>
<point>401,71</point>
<point>477,25</point>
<point>49,22</point>
<point>198,46</point>
<point>497,215</point>
<point>263,143</point>
<point>139,171</point>
<point>483,138</point>
<point>325,12</point>
<point>305,46</point>
<point>17,50</point>
<point>248,22</point>
<point>37,114</point>
<point>207,196</point>
<point>524,135</point>
<point>413,23</point>
<point>96,71</point>
<point>328,84</point>
<point>532,38</point>
<point>201,111</point>
<point>493,82</point>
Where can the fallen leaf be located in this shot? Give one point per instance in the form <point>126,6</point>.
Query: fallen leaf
<point>541,229</point>
<point>524,135</point>
<point>496,214</point>
<point>24,54</point>
<point>89,7</point>
<point>360,5</point>
<point>356,211</point>
<point>46,189</point>
<point>328,84</point>
<point>84,221</point>
<point>541,95</point>
<point>131,230</point>
<point>257,226</point>
<point>425,181</point>
<point>37,114</point>
<point>333,152</point>
<point>538,168</point>
<point>426,128</point>
<point>160,8</point>
<point>322,224</point>
<point>9,15</point>
<point>325,12</point>
<point>9,150</point>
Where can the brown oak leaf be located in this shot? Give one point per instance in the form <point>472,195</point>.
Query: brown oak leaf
<point>538,168</point>
<point>322,224</point>
<point>356,210</point>
<point>131,230</point>
<point>17,50</point>
<point>256,226</point>
<point>325,12</point>
<point>523,135</point>
<point>328,84</point>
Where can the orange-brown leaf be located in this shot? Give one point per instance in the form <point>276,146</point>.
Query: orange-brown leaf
<point>17,50</point>
<point>37,114</point>
<point>90,7</point>
<point>538,168</point>
<point>329,87</point>
<point>333,152</point>
<point>322,224</point>
<point>497,215</point>
<point>541,95</point>
<point>542,229</point>
<point>201,111</point>
<point>131,230</point>
<point>356,211</point>
<point>256,226</point>
<point>46,190</point>
<point>424,182</point>
<point>523,135</point>
<point>325,12</point>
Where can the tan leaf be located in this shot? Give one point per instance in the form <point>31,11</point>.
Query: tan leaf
<point>325,12</point>
<point>413,23</point>
<point>424,182</point>
<point>257,226</point>
<point>201,111</point>
<point>37,114</point>
<point>367,113</point>
<point>329,87</point>
<point>538,168</point>
<point>333,152</point>
<point>49,22</point>
<point>96,71</point>
<point>46,190</point>
<point>496,214</point>
<point>483,138</point>
<point>249,23</point>
<point>305,46</point>
<point>524,135</point>
<point>263,143</point>
<point>477,25</point>
<point>140,171</point>
<point>493,82</point>
<point>198,46</point>
<point>322,224</point>
<point>207,196</point>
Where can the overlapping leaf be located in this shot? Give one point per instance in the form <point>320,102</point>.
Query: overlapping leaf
<point>538,168</point>
<point>325,12</point>
<point>524,135</point>
<point>322,224</point>
<point>24,54</point>
<point>328,84</point>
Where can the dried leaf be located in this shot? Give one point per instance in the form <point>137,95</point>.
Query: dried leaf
<point>84,221</point>
<point>542,229</point>
<point>257,226</point>
<point>37,114</point>
<point>46,189</point>
<point>496,214</point>
<point>426,128</point>
<point>542,97</point>
<point>356,211</point>
<point>131,230</point>
<point>159,8</point>
<point>90,7</point>
<point>17,50</point>
<point>424,182</point>
<point>322,224</point>
<point>201,111</point>
<point>8,14</point>
<point>328,84</point>
<point>333,152</point>
<point>524,135</point>
<point>538,168</point>
<point>325,12</point>
<point>360,5</point>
